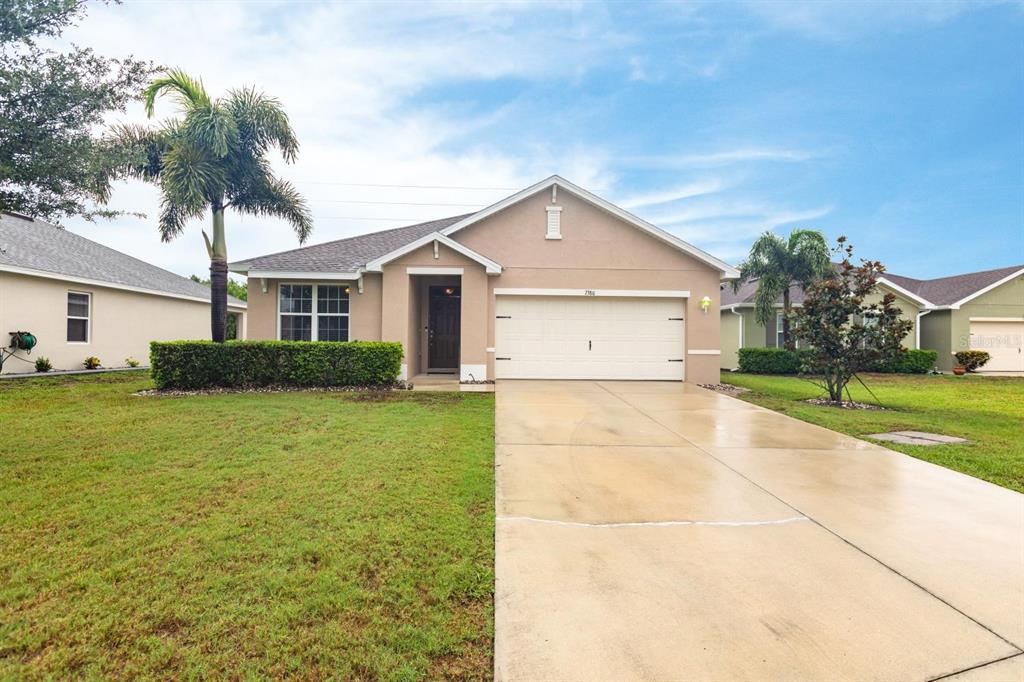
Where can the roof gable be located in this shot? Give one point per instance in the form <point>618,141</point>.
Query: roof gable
<point>727,271</point>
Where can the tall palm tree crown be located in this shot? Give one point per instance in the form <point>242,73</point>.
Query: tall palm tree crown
<point>777,263</point>
<point>212,158</point>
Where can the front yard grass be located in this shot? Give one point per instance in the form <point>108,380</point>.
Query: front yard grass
<point>987,411</point>
<point>306,535</point>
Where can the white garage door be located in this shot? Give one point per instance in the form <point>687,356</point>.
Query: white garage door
<point>1003,340</point>
<point>582,337</point>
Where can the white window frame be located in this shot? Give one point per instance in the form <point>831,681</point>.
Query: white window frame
<point>779,339</point>
<point>87,318</point>
<point>314,331</point>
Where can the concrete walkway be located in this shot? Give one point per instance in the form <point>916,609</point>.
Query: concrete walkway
<point>658,531</point>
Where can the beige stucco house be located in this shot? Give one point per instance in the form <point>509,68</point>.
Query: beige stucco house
<point>551,282</point>
<point>977,310</point>
<point>81,299</point>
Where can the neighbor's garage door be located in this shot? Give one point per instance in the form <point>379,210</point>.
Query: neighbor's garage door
<point>1003,340</point>
<point>582,337</point>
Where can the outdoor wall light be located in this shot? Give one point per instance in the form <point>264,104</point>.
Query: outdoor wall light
<point>705,303</point>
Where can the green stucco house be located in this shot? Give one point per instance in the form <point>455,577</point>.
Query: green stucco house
<point>977,310</point>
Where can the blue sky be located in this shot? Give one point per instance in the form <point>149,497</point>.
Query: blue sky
<point>900,125</point>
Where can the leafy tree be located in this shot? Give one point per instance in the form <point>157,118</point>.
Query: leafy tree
<point>236,289</point>
<point>777,264</point>
<point>212,159</point>
<point>842,333</point>
<point>51,164</point>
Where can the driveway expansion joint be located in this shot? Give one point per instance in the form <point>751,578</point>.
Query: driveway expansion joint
<point>641,524</point>
<point>975,667</point>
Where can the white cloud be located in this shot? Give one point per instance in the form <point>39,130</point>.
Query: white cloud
<point>722,157</point>
<point>665,196</point>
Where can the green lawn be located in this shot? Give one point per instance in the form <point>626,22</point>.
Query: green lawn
<point>988,411</point>
<point>308,535</point>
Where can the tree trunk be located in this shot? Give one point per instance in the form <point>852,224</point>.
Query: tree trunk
<point>218,279</point>
<point>787,342</point>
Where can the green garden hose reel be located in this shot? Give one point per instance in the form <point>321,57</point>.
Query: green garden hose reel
<point>25,341</point>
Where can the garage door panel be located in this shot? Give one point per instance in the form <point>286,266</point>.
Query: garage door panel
<point>1003,341</point>
<point>589,338</point>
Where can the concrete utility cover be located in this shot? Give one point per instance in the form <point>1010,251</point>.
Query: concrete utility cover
<point>917,438</point>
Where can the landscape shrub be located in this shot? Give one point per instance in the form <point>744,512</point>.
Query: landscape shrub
<point>131,362</point>
<point>972,360</point>
<point>91,362</point>
<point>770,360</point>
<point>913,361</point>
<point>43,364</point>
<point>188,365</point>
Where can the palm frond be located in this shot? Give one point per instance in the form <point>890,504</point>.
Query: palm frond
<point>273,197</point>
<point>262,122</point>
<point>211,127</point>
<point>191,177</point>
<point>136,151</point>
<point>189,91</point>
<point>174,216</point>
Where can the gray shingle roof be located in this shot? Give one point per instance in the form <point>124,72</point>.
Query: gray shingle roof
<point>939,292</point>
<point>949,290</point>
<point>345,255</point>
<point>40,246</point>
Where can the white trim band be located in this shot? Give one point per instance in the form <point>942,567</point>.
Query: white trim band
<point>625,293</point>
<point>709,351</point>
<point>995,319</point>
<point>429,270</point>
<point>303,274</point>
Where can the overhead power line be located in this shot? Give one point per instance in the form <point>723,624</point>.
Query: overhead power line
<point>390,203</point>
<point>411,221</point>
<point>367,184</point>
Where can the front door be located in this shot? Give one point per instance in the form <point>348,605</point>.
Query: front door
<point>443,323</point>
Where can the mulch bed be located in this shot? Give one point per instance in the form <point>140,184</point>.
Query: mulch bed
<point>727,389</point>
<point>383,388</point>
<point>844,405</point>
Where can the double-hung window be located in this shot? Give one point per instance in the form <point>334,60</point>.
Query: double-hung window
<point>313,312</point>
<point>780,339</point>
<point>79,308</point>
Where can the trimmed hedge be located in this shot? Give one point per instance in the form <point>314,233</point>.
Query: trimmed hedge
<point>913,361</point>
<point>770,360</point>
<point>189,365</point>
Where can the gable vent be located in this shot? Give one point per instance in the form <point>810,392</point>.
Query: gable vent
<point>554,222</point>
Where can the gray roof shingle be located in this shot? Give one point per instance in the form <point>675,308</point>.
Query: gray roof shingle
<point>939,292</point>
<point>345,255</point>
<point>949,290</point>
<point>37,245</point>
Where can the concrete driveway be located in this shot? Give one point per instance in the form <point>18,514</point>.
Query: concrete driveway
<point>659,531</point>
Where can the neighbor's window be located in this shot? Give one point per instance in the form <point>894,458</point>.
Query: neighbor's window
<point>78,317</point>
<point>299,304</point>
<point>780,341</point>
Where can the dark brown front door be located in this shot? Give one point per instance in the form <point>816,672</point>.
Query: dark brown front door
<point>443,317</point>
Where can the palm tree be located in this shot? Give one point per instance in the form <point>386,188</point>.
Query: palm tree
<point>213,158</point>
<point>777,264</point>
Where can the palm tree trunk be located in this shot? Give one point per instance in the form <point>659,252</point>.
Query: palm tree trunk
<point>218,279</point>
<point>786,307</point>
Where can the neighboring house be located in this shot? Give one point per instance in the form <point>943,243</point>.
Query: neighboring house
<point>552,282</point>
<point>979,310</point>
<point>82,299</point>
